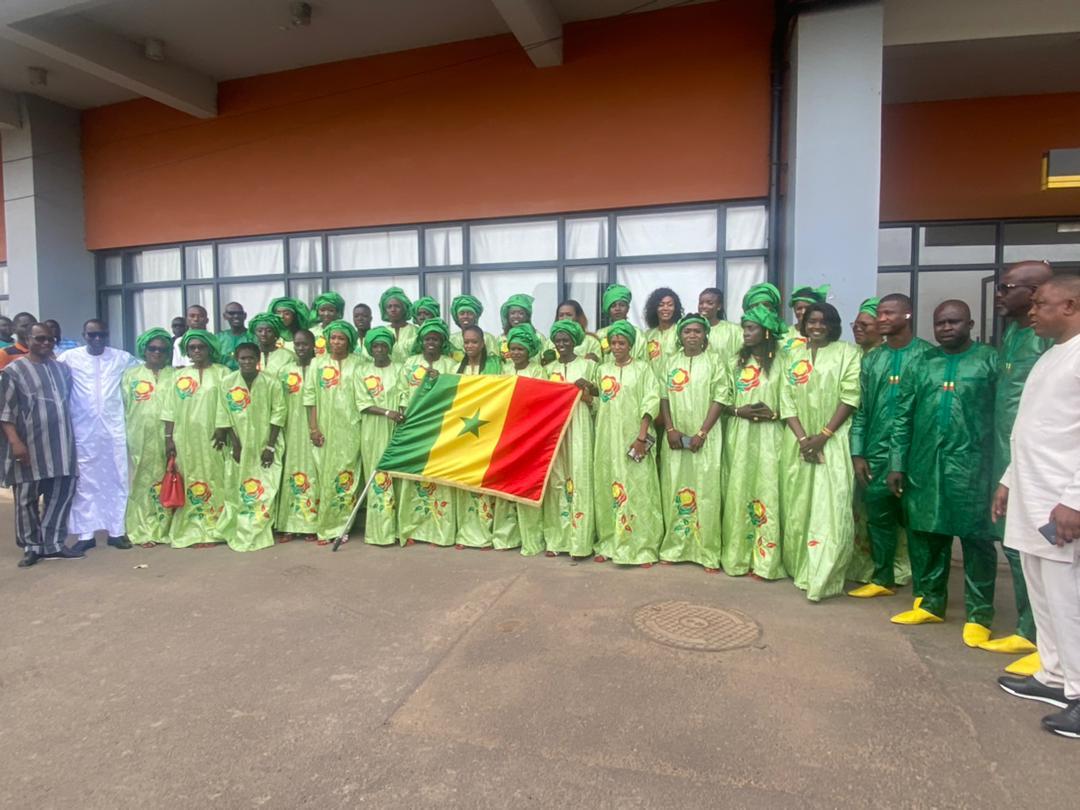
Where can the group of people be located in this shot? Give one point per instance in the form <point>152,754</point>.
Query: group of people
<point>756,448</point>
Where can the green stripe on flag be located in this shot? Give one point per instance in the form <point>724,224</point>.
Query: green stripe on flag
<point>413,439</point>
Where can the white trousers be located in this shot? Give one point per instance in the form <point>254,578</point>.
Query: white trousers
<point>1054,590</point>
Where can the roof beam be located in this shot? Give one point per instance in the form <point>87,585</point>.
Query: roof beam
<point>15,10</point>
<point>537,26</point>
<point>10,117</point>
<point>80,44</point>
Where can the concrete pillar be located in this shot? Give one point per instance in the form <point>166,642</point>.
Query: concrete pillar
<point>50,271</point>
<point>834,154</point>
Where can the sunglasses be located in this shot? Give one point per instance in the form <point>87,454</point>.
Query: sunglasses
<point>97,335</point>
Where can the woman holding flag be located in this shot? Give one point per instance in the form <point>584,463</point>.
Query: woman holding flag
<point>379,379</point>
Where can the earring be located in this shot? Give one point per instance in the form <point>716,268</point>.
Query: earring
<point>768,335</point>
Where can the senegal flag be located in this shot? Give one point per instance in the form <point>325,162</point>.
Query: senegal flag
<point>496,435</point>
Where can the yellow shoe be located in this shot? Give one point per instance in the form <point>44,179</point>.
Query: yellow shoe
<point>1028,665</point>
<point>1014,645</point>
<point>916,616</point>
<point>870,590</point>
<point>975,635</point>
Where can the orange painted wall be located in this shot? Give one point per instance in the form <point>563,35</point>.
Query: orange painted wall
<point>664,107</point>
<point>976,158</point>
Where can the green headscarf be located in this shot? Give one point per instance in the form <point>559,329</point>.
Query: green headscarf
<point>379,334</point>
<point>614,292</point>
<point>763,293</point>
<point>429,305</point>
<point>426,328</point>
<point>624,328</point>
<point>331,298</point>
<point>143,340</point>
<point>571,327</point>
<point>765,318</point>
<point>524,335</point>
<point>399,294</point>
<point>294,305</point>
<point>869,306</point>
<point>345,328</point>
<point>811,295</point>
<point>466,302</point>
<point>205,337</point>
<point>520,300</point>
<point>271,320</point>
<point>688,319</point>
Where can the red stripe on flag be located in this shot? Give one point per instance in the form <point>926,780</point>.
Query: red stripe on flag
<point>534,422</point>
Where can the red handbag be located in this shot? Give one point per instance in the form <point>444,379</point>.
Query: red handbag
<point>172,487</point>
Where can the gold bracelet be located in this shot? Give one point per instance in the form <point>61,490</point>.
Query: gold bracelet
<point>701,434</point>
<point>826,432</point>
<point>804,439</point>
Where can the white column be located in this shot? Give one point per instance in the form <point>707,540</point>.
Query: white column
<point>834,155</point>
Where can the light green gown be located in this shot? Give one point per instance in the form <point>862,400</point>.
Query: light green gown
<point>361,352</point>
<point>819,531</point>
<point>425,510</point>
<point>629,526</point>
<point>320,339</point>
<point>275,362</point>
<point>378,388</point>
<point>725,340</point>
<point>515,523</point>
<point>752,517</point>
<point>404,338</point>
<point>661,346</point>
<point>331,386</point>
<point>690,489</point>
<point>251,489</point>
<point>146,520</point>
<point>298,498</point>
<point>637,351</point>
<point>191,406</point>
<point>590,345</point>
<point>569,519</point>
<point>475,511</point>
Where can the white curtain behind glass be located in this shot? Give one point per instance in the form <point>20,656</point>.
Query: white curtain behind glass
<point>254,295</point>
<point>199,261</point>
<point>114,312</point>
<point>367,289</point>
<point>305,254</point>
<point>584,285</point>
<point>204,295</point>
<point>442,246</point>
<point>494,287</point>
<point>114,271</point>
<point>371,251</point>
<point>156,265</point>
<point>514,242</point>
<point>155,308</point>
<point>675,232</point>
<point>742,274</point>
<point>586,238</point>
<point>262,258</point>
<point>443,287</point>
<point>746,228</point>
<point>687,279</point>
<point>307,291</point>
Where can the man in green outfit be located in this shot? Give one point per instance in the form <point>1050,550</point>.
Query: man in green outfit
<point>871,431</point>
<point>236,334</point>
<point>941,452</point>
<point>1020,348</point>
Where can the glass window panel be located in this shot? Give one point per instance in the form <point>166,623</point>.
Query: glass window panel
<point>888,283</point>
<point>199,261</point>
<point>305,254</point>
<point>374,250</point>
<point>687,279</point>
<point>956,244</point>
<point>747,228</point>
<point>367,289</point>
<point>675,232</point>
<point>156,265</point>
<point>306,290</point>
<point>494,287</point>
<point>442,246</point>
<point>742,274</point>
<point>1042,241</point>
<point>587,238</point>
<point>938,286</point>
<point>5,307</point>
<point>204,296</point>
<point>253,295</point>
<point>894,246</point>
<point>443,287</point>
<point>155,307</point>
<point>113,307</point>
<point>114,271</point>
<point>262,258</point>
<point>3,279</point>
<point>586,286</point>
<point>514,242</point>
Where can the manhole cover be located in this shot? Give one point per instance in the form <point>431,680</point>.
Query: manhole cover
<point>696,627</point>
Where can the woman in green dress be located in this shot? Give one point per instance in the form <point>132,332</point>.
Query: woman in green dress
<point>330,395</point>
<point>569,518</point>
<point>145,389</point>
<point>379,378</point>
<point>517,310</point>
<point>516,524</point>
<point>764,294</point>
<point>270,332</point>
<point>252,410</point>
<point>189,413</point>
<point>801,300</point>
<point>629,525</point>
<point>819,396</point>
<point>396,310</point>
<point>425,307</point>
<point>570,310</point>
<point>325,309</point>
<point>466,311</point>
<point>298,499</point>
<point>725,337</point>
<point>753,436</point>
<point>294,315</point>
<point>694,390</point>
<point>426,510</point>
<point>663,310</point>
<point>615,304</point>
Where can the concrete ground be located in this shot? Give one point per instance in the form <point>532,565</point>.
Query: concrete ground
<point>420,677</point>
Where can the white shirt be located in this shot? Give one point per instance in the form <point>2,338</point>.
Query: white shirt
<point>179,359</point>
<point>1045,442</point>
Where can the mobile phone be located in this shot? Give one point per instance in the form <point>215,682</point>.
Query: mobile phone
<point>1049,531</point>
<point>686,441</point>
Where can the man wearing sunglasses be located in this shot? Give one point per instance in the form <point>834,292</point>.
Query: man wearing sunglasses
<point>97,413</point>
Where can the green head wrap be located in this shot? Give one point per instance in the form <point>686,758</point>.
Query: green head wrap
<point>297,307</point>
<point>429,305</point>
<point>345,328</point>
<point>520,300</point>
<point>143,340</point>
<point>271,320</point>
<point>869,306</point>
<point>468,303</point>
<point>623,328</point>
<point>524,335</point>
<point>811,295</point>
<point>378,334</point>
<point>331,298</point>
<point>764,293</point>
<point>688,319</point>
<point>615,292</point>
<point>399,294</point>
<point>426,328</point>
<point>765,318</point>
<point>572,328</point>
<point>205,337</point>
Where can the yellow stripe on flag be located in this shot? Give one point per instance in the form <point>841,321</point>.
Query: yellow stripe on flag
<point>470,429</point>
